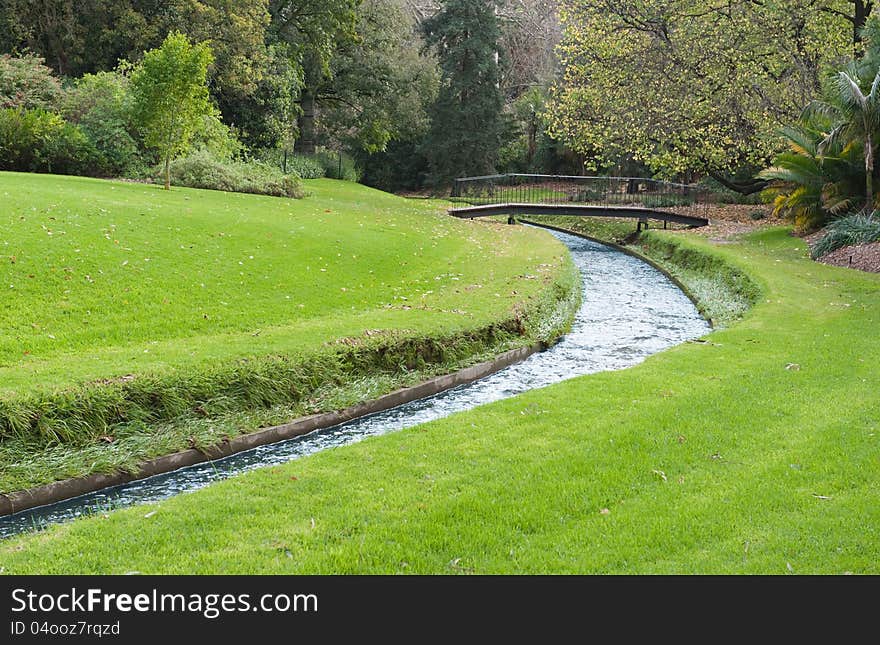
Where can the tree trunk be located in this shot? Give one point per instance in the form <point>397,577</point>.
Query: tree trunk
<point>305,144</point>
<point>746,188</point>
<point>168,172</point>
<point>869,174</point>
<point>533,140</point>
<point>861,11</point>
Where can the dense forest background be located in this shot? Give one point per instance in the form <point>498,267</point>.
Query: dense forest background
<point>406,95</point>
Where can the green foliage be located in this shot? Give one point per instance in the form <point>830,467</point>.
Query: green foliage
<point>218,139</point>
<point>338,165</point>
<point>380,84</point>
<point>467,123</point>
<point>529,147</point>
<point>266,117</point>
<point>27,83</point>
<point>830,169</point>
<point>855,228</point>
<point>401,166</point>
<point>100,104</point>
<point>202,170</point>
<point>306,167</point>
<point>807,187</point>
<point>40,141</point>
<point>170,96</point>
<point>685,86</point>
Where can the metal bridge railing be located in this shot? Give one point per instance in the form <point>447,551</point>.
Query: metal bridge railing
<point>608,192</point>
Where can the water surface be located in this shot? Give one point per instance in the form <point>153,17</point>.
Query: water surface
<point>629,311</point>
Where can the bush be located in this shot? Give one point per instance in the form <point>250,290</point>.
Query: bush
<point>857,228</point>
<point>338,165</point>
<point>303,165</point>
<point>306,167</point>
<point>100,105</point>
<point>219,140</point>
<point>26,83</point>
<point>201,170</point>
<point>666,201</point>
<point>40,141</point>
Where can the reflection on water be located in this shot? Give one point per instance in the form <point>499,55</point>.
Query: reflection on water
<point>630,311</point>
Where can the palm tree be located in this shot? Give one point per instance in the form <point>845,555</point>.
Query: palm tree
<point>807,186</point>
<point>856,115</point>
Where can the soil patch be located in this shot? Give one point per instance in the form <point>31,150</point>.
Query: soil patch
<point>864,257</point>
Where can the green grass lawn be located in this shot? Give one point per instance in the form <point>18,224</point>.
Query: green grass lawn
<point>753,452</point>
<point>105,278</point>
<point>125,303</point>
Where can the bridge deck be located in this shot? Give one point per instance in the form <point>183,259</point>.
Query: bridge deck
<point>584,210</point>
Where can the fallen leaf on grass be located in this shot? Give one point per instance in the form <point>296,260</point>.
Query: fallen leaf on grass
<point>794,367</point>
<point>818,496</point>
<point>150,514</point>
<point>605,511</point>
<point>660,474</point>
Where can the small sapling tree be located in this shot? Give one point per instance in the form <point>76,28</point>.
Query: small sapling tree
<point>170,96</point>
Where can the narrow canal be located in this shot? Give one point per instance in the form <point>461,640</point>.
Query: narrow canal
<point>629,311</point>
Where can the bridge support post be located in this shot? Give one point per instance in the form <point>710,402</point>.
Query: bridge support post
<point>642,222</point>
<point>511,219</point>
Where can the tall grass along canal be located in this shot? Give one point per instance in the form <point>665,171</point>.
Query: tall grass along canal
<point>629,311</point>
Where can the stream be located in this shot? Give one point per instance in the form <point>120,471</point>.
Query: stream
<point>629,311</point>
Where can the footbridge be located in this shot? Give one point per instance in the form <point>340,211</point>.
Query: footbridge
<point>636,198</point>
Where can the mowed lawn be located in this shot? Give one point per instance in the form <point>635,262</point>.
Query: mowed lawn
<point>753,452</point>
<point>107,279</point>
<point>137,322</point>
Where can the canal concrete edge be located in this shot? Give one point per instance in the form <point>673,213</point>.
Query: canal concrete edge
<point>69,488</point>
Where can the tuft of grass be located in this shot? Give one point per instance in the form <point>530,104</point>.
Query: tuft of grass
<point>856,228</point>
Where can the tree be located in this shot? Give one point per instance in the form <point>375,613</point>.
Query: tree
<point>466,119</point>
<point>694,86</point>
<point>25,82</point>
<point>312,30</point>
<point>380,84</point>
<point>857,115</point>
<point>170,96</point>
<point>810,187</point>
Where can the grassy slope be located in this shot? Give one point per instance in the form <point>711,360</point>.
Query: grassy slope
<point>755,452</point>
<point>104,278</point>
<point>224,312</point>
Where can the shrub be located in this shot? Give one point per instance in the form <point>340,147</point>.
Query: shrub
<point>338,165</point>
<point>26,83</point>
<point>202,170</point>
<point>40,141</point>
<point>100,104</point>
<point>306,167</point>
<point>303,165</point>
<point>217,139</point>
<point>857,228</point>
<point>666,201</point>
